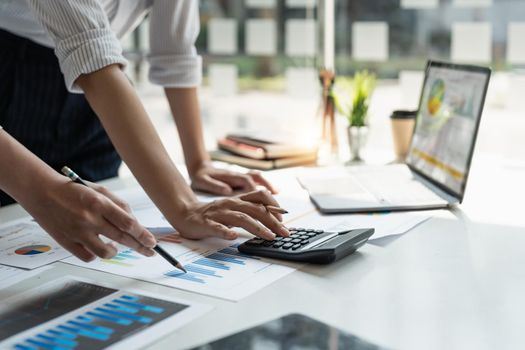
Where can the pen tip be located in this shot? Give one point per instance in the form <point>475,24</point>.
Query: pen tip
<point>180,267</point>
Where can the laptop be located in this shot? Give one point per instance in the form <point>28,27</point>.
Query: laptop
<point>437,166</point>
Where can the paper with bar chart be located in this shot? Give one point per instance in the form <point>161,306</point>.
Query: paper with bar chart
<point>74,314</point>
<point>24,244</point>
<point>215,267</point>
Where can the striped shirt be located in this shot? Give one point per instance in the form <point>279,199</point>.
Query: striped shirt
<point>85,34</point>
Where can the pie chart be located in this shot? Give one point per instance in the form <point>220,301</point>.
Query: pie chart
<point>33,249</point>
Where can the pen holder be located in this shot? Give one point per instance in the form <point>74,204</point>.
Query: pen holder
<point>402,123</point>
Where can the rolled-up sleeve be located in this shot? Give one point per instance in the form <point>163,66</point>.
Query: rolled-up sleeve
<point>80,30</point>
<point>173,58</point>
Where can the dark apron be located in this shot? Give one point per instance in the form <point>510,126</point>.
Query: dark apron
<point>38,111</point>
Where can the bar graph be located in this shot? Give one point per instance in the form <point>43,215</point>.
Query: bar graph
<point>125,258</point>
<point>110,318</point>
<point>207,268</point>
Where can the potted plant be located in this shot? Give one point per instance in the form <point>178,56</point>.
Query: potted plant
<point>352,99</point>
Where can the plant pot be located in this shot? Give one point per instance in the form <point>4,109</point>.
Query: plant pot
<point>357,136</point>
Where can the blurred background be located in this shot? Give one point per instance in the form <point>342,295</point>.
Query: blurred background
<point>261,61</point>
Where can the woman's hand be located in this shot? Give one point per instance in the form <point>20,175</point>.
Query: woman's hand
<point>247,211</point>
<point>75,216</point>
<point>206,178</point>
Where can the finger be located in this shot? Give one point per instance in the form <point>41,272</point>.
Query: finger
<point>212,228</point>
<point>239,219</point>
<point>213,186</point>
<point>260,180</point>
<point>118,201</point>
<point>172,238</point>
<point>96,246</point>
<point>261,213</point>
<point>238,181</point>
<point>262,197</point>
<point>127,223</point>
<point>124,238</point>
<point>77,250</point>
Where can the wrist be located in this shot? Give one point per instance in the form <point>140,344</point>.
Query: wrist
<point>195,165</point>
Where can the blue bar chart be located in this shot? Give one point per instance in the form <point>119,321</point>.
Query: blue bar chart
<point>113,316</point>
<point>215,267</point>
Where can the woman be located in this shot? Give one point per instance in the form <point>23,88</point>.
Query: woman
<point>52,50</point>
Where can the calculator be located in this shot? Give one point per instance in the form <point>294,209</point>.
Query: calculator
<point>309,245</point>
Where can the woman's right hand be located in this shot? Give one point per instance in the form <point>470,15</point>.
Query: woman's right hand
<point>247,211</point>
<point>75,216</point>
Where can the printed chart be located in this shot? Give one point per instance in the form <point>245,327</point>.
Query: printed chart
<point>26,245</point>
<point>215,267</point>
<point>70,314</point>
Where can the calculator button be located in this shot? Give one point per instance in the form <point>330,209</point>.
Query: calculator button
<point>306,241</point>
<point>278,244</point>
<point>311,234</point>
<point>297,246</point>
<point>292,229</point>
<point>310,230</point>
<point>267,243</point>
<point>304,237</point>
<point>318,231</point>
<point>287,239</point>
<point>300,229</point>
<point>297,240</point>
<point>278,238</point>
<point>255,241</point>
<point>288,245</point>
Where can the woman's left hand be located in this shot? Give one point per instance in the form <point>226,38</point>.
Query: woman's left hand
<point>225,182</point>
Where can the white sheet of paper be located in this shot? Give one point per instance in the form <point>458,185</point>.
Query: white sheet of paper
<point>516,43</point>
<point>215,266</point>
<point>370,41</point>
<point>261,37</point>
<point>471,42</point>
<point>223,79</point>
<point>472,3</point>
<point>300,3</point>
<point>384,224</point>
<point>419,4</point>
<point>263,4</point>
<point>300,37</point>
<point>117,319</point>
<point>24,244</point>
<point>302,82</point>
<point>410,83</point>
<point>222,36</point>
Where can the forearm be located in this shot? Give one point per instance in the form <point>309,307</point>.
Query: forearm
<point>23,175</point>
<point>119,108</point>
<point>184,106</point>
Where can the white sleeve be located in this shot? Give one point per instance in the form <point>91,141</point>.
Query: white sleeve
<point>84,41</point>
<point>174,27</point>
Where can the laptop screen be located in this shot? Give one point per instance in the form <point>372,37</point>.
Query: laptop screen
<point>447,123</point>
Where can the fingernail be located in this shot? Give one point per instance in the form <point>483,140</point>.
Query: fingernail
<point>231,235</point>
<point>285,231</point>
<point>271,236</point>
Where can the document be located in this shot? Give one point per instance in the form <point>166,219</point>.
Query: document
<point>215,267</point>
<point>26,245</point>
<point>72,313</point>
<point>385,224</point>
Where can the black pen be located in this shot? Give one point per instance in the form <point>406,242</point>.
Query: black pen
<point>77,179</point>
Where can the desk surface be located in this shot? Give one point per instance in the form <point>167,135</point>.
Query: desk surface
<point>455,282</point>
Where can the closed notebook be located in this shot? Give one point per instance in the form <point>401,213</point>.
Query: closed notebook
<point>259,146</point>
<point>263,164</point>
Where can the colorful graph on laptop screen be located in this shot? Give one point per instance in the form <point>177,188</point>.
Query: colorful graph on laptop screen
<point>448,116</point>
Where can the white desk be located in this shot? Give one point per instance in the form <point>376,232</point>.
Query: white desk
<point>452,283</point>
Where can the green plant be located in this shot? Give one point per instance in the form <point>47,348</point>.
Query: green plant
<point>352,96</point>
